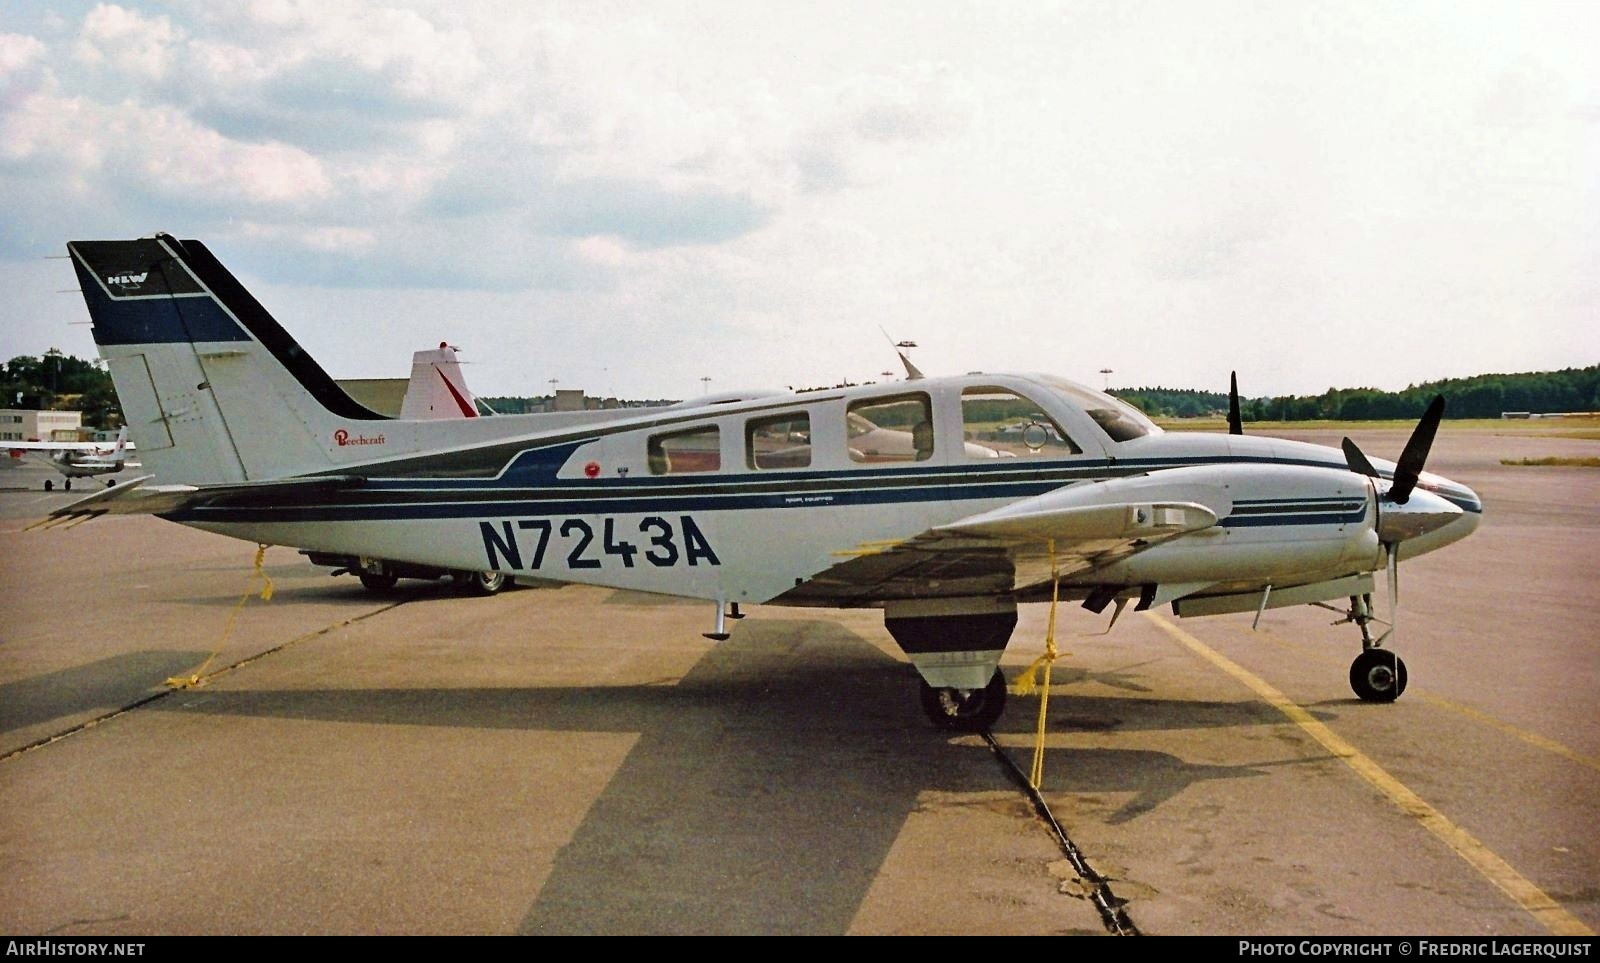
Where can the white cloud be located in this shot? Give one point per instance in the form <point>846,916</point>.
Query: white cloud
<point>24,73</point>
<point>142,47</point>
<point>18,52</point>
<point>1077,186</point>
<point>340,239</point>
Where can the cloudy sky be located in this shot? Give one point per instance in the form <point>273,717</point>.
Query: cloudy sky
<point>630,197</point>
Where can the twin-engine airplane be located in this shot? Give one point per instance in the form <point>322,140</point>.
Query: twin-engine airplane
<point>946,501</point>
<point>79,459</point>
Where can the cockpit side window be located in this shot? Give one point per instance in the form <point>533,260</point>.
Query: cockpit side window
<point>895,429</point>
<point>1120,420</point>
<point>999,423</point>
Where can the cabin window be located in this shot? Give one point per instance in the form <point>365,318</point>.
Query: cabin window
<point>680,452</point>
<point>781,441</point>
<point>893,429</point>
<point>999,423</point>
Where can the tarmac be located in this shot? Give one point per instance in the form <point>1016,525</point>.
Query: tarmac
<point>572,760</point>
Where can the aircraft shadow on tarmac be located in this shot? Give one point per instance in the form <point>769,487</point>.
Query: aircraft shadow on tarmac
<point>766,787</point>
<point>288,583</point>
<point>106,684</point>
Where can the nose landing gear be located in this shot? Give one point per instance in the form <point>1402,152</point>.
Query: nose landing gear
<point>1377,674</point>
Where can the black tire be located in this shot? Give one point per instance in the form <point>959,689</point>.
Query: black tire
<point>1378,676</point>
<point>49,485</point>
<point>965,710</point>
<point>378,583</point>
<point>67,485</point>
<point>484,583</point>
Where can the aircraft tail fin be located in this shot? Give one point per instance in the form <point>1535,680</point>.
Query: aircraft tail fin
<point>213,389</point>
<point>119,451</point>
<point>437,388</point>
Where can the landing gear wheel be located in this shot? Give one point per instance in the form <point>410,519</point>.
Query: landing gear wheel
<point>378,583</point>
<point>67,485</point>
<point>965,710</point>
<point>49,485</point>
<point>482,583</point>
<point>1378,676</point>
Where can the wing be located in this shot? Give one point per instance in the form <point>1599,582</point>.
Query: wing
<point>1006,551</point>
<point>56,445</point>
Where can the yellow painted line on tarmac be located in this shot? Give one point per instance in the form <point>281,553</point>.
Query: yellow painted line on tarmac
<point>1531,738</point>
<point>1550,914</point>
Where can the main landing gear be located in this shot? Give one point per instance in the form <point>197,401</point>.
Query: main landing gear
<point>965,710</point>
<point>956,646</point>
<point>480,583</point>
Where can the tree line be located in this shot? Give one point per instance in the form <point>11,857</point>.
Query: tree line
<point>1480,396</point>
<point>57,380</point>
<point>60,381</point>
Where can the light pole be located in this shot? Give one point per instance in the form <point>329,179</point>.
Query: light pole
<point>705,384</point>
<point>54,356</point>
<point>1105,380</point>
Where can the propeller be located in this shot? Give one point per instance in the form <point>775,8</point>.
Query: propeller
<point>1235,423</point>
<point>1409,468</point>
<point>1398,517</point>
<point>1356,460</point>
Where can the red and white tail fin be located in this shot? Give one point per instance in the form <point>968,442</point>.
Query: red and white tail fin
<point>119,451</point>
<point>437,388</point>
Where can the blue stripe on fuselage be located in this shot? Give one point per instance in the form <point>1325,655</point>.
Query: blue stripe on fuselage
<point>403,499</point>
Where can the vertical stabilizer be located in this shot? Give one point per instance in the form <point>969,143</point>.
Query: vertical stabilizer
<point>213,389</point>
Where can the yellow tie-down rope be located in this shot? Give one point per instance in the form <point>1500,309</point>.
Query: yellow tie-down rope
<point>197,677</point>
<point>1036,677</point>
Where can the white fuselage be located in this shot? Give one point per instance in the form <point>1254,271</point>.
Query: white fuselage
<point>582,502</point>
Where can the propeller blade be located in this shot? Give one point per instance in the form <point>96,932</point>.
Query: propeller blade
<point>1356,460</point>
<point>1235,424</point>
<point>1411,460</point>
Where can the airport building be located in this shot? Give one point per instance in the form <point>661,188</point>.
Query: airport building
<point>22,424</point>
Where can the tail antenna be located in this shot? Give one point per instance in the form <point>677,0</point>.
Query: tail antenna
<point>913,373</point>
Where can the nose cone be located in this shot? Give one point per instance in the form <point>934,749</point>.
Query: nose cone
<point>1438,513</point>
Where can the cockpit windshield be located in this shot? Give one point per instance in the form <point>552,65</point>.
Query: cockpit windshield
<point>1120,420</point>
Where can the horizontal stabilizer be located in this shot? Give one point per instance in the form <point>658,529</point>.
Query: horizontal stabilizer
<point>139,496</point>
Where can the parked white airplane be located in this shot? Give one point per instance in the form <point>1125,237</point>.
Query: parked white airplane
<point>436,389</point>
<point>78,459</point>
<point>766,499</point>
